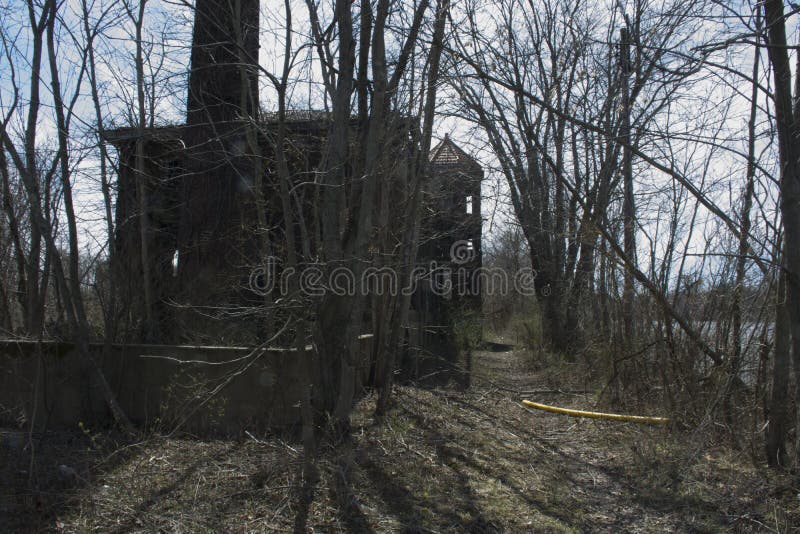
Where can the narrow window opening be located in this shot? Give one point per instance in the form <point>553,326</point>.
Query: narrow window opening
<point>175,264</point>
<point>469,204</point>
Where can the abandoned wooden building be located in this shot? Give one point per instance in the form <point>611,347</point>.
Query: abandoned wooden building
<point>202,243</point>
<point>198,206</point>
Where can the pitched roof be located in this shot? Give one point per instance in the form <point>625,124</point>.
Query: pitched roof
<point>448,153</point>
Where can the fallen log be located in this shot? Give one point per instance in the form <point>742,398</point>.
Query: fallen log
<point>596,415</point>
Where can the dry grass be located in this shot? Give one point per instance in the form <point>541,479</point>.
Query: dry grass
<point>442,461</point>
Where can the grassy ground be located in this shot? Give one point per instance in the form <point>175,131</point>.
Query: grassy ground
<point>442,461</point>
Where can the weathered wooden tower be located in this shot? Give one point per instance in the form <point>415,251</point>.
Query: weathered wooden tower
<point>220,144</point>
<point>450,241</point>
<point>452,234</point>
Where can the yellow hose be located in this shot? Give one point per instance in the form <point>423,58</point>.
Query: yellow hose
<point>596,415</point>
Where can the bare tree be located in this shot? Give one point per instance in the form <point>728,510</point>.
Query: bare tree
<point>65,267</point>
<point>346,242</point>
<point>31,280</point>
<point>786,111</point>
<point>535,110</point>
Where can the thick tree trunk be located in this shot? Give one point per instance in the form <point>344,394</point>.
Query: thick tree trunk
<point>787,109</point>
<point>335,315</point>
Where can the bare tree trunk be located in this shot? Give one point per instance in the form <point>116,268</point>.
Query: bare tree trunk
<point>744,221</point>
<point>628,206</point>
<point>6,323</point>
<point>411,238</point>
<point>335,311</point>
<point>110,311</point>
<point>13,240</point>
<point>33,318</point>
<point>787,109</point>
<point>777,416</point>
<point>71,288</point>
<point>605,316</point>
<point>142,178</point>
<point>31,278</point>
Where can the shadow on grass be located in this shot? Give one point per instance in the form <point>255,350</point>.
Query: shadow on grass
<point>628,496</point>
<point>43,474</point>
<point>343,496</point>
<point>424,500</point>
<point>165,492</point>
<point>305,496</point>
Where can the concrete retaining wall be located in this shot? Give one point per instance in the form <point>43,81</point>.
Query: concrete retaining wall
<point>155,385</point>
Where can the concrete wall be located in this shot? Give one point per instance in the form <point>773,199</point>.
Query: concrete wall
<point>155,385</point>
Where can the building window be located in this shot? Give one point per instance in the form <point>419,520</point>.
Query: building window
<point>175,258</point>
<point>469,204</point>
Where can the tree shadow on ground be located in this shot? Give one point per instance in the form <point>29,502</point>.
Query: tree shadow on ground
<point>305,496</point>
<point>43,473</point>
<point>569,470</point>
<point>166,491</point>
<point>418,497</point>
<point>343,495</point>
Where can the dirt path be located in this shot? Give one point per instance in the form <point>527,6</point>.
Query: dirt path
<point>443,461</point>
<point>479,462</point>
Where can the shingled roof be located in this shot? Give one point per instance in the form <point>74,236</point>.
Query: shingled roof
<point>448,153</point>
